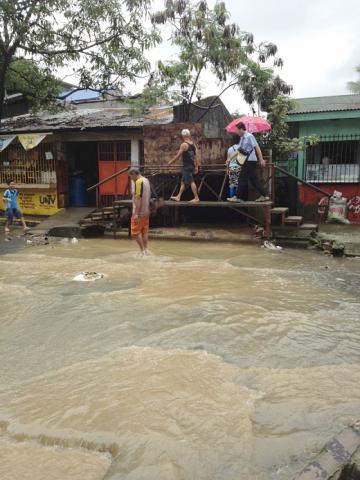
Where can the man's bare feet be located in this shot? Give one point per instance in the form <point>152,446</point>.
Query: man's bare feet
<point>195,200</point>
<point>176,199</point>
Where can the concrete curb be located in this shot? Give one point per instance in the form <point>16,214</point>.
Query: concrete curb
<point>335,455</point>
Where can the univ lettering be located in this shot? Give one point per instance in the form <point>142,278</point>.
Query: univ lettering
<point>47,199</point>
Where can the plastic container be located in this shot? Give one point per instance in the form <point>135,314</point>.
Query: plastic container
<point>78,194</point>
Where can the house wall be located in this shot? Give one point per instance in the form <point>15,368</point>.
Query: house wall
<point>346,126</point>
<point>324,128</point>
<point>328,124</point>
<point>214,120</point>
<point>351,192</point>
<point>162,142</point>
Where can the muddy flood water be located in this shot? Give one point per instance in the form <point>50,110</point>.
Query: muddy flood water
<point>201,362</point>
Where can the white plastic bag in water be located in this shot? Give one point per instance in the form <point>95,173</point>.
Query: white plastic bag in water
<point>88,277</point>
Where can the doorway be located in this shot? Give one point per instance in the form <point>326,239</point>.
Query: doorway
<point>83,172</point>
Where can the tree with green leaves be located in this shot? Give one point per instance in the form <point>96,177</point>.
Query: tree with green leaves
<point>103,42</point>
<point>354,87</point>
<point>278,139</point>
<point>38,85</point>
<point>206,40</point>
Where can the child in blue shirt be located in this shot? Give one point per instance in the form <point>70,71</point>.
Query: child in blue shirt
<point>12,209</point>
<point>233,170</point>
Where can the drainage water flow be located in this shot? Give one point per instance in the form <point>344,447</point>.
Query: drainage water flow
<point>206,361</point>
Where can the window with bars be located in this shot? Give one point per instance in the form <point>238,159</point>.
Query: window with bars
<point>32,167</point>
<point>334,159</point>
<point>115,151</point>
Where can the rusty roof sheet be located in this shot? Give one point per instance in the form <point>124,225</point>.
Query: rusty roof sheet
<point>85,119</point>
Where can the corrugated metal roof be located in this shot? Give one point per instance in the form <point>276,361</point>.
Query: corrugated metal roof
<point>326,104</point>
<point>85,119</point>
<point>80,95</point>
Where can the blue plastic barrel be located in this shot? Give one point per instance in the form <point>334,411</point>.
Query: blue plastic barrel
<point>78,194</point>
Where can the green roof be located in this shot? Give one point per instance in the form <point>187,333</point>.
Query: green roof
<point>326,104</point>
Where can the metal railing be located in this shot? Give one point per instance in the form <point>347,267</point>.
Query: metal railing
<point>33,167</point>
<point>334,159</point>
<point>165,185</point>
<point>99,202</point>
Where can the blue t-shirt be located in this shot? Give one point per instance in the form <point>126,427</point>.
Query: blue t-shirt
<point>10,198</point>
<point>248,143</point>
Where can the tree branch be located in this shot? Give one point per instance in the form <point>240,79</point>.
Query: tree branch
<point>232,84</point>
<point>37,50</point>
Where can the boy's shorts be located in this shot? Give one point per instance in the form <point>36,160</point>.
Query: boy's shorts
<point>141,225</point>
<point>13,212</point>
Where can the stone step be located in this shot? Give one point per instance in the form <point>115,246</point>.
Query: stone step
<point>279,210</point>
<point>293,220</point>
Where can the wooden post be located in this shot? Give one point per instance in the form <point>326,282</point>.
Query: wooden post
<point>267,211</point>
<point>114,220</point>
<point>222,187</point>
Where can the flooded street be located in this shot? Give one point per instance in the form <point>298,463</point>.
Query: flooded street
<point>203,361</point>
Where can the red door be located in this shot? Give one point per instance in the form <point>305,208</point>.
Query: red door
<point>113,157</point>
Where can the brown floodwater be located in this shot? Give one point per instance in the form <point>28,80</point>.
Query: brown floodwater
<point>203,361</point>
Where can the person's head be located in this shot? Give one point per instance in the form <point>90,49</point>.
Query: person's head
<point>241,128</point>
<point>134,173</point>
<point>11,184</point>
<point>185,133</point>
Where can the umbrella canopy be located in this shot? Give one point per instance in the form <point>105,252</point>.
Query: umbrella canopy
<point>253,125</point>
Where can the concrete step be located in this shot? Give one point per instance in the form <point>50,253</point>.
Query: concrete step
<point>276,211</point>
<point>303,226</point>
<point>293,220</point>
<point>279,210</point>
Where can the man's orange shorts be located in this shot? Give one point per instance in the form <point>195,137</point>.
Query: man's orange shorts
<point>141,225</point>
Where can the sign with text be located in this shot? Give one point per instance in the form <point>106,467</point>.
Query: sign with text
<point>38,202</point>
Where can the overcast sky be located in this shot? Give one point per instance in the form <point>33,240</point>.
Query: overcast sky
<point>319,41</point>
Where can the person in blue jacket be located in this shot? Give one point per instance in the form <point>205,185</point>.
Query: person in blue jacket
<point>12,209</point>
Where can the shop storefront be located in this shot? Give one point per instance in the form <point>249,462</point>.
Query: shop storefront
<point>30,161</point>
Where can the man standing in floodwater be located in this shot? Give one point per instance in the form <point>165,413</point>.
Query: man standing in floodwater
<point>188,152</point>
<point>141,193</point>
<point>249,146</point>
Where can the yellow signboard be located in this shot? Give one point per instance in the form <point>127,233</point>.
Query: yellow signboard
<point>38,202</point>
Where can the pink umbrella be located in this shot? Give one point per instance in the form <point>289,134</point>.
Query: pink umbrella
<point>253,124</point>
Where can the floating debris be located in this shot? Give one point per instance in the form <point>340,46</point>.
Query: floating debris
<point>88,277</point>
<point>271,246</point>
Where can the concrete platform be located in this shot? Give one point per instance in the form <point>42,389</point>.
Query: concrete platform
<point>216,204</point>
<point>68,219</point>
<point>337,454</point>
<point>217,233</point>
<point>347,236</point>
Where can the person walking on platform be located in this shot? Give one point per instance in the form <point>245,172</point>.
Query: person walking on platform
<point>233,168</point>
<point>187,151</point>
<point>249,147</point>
